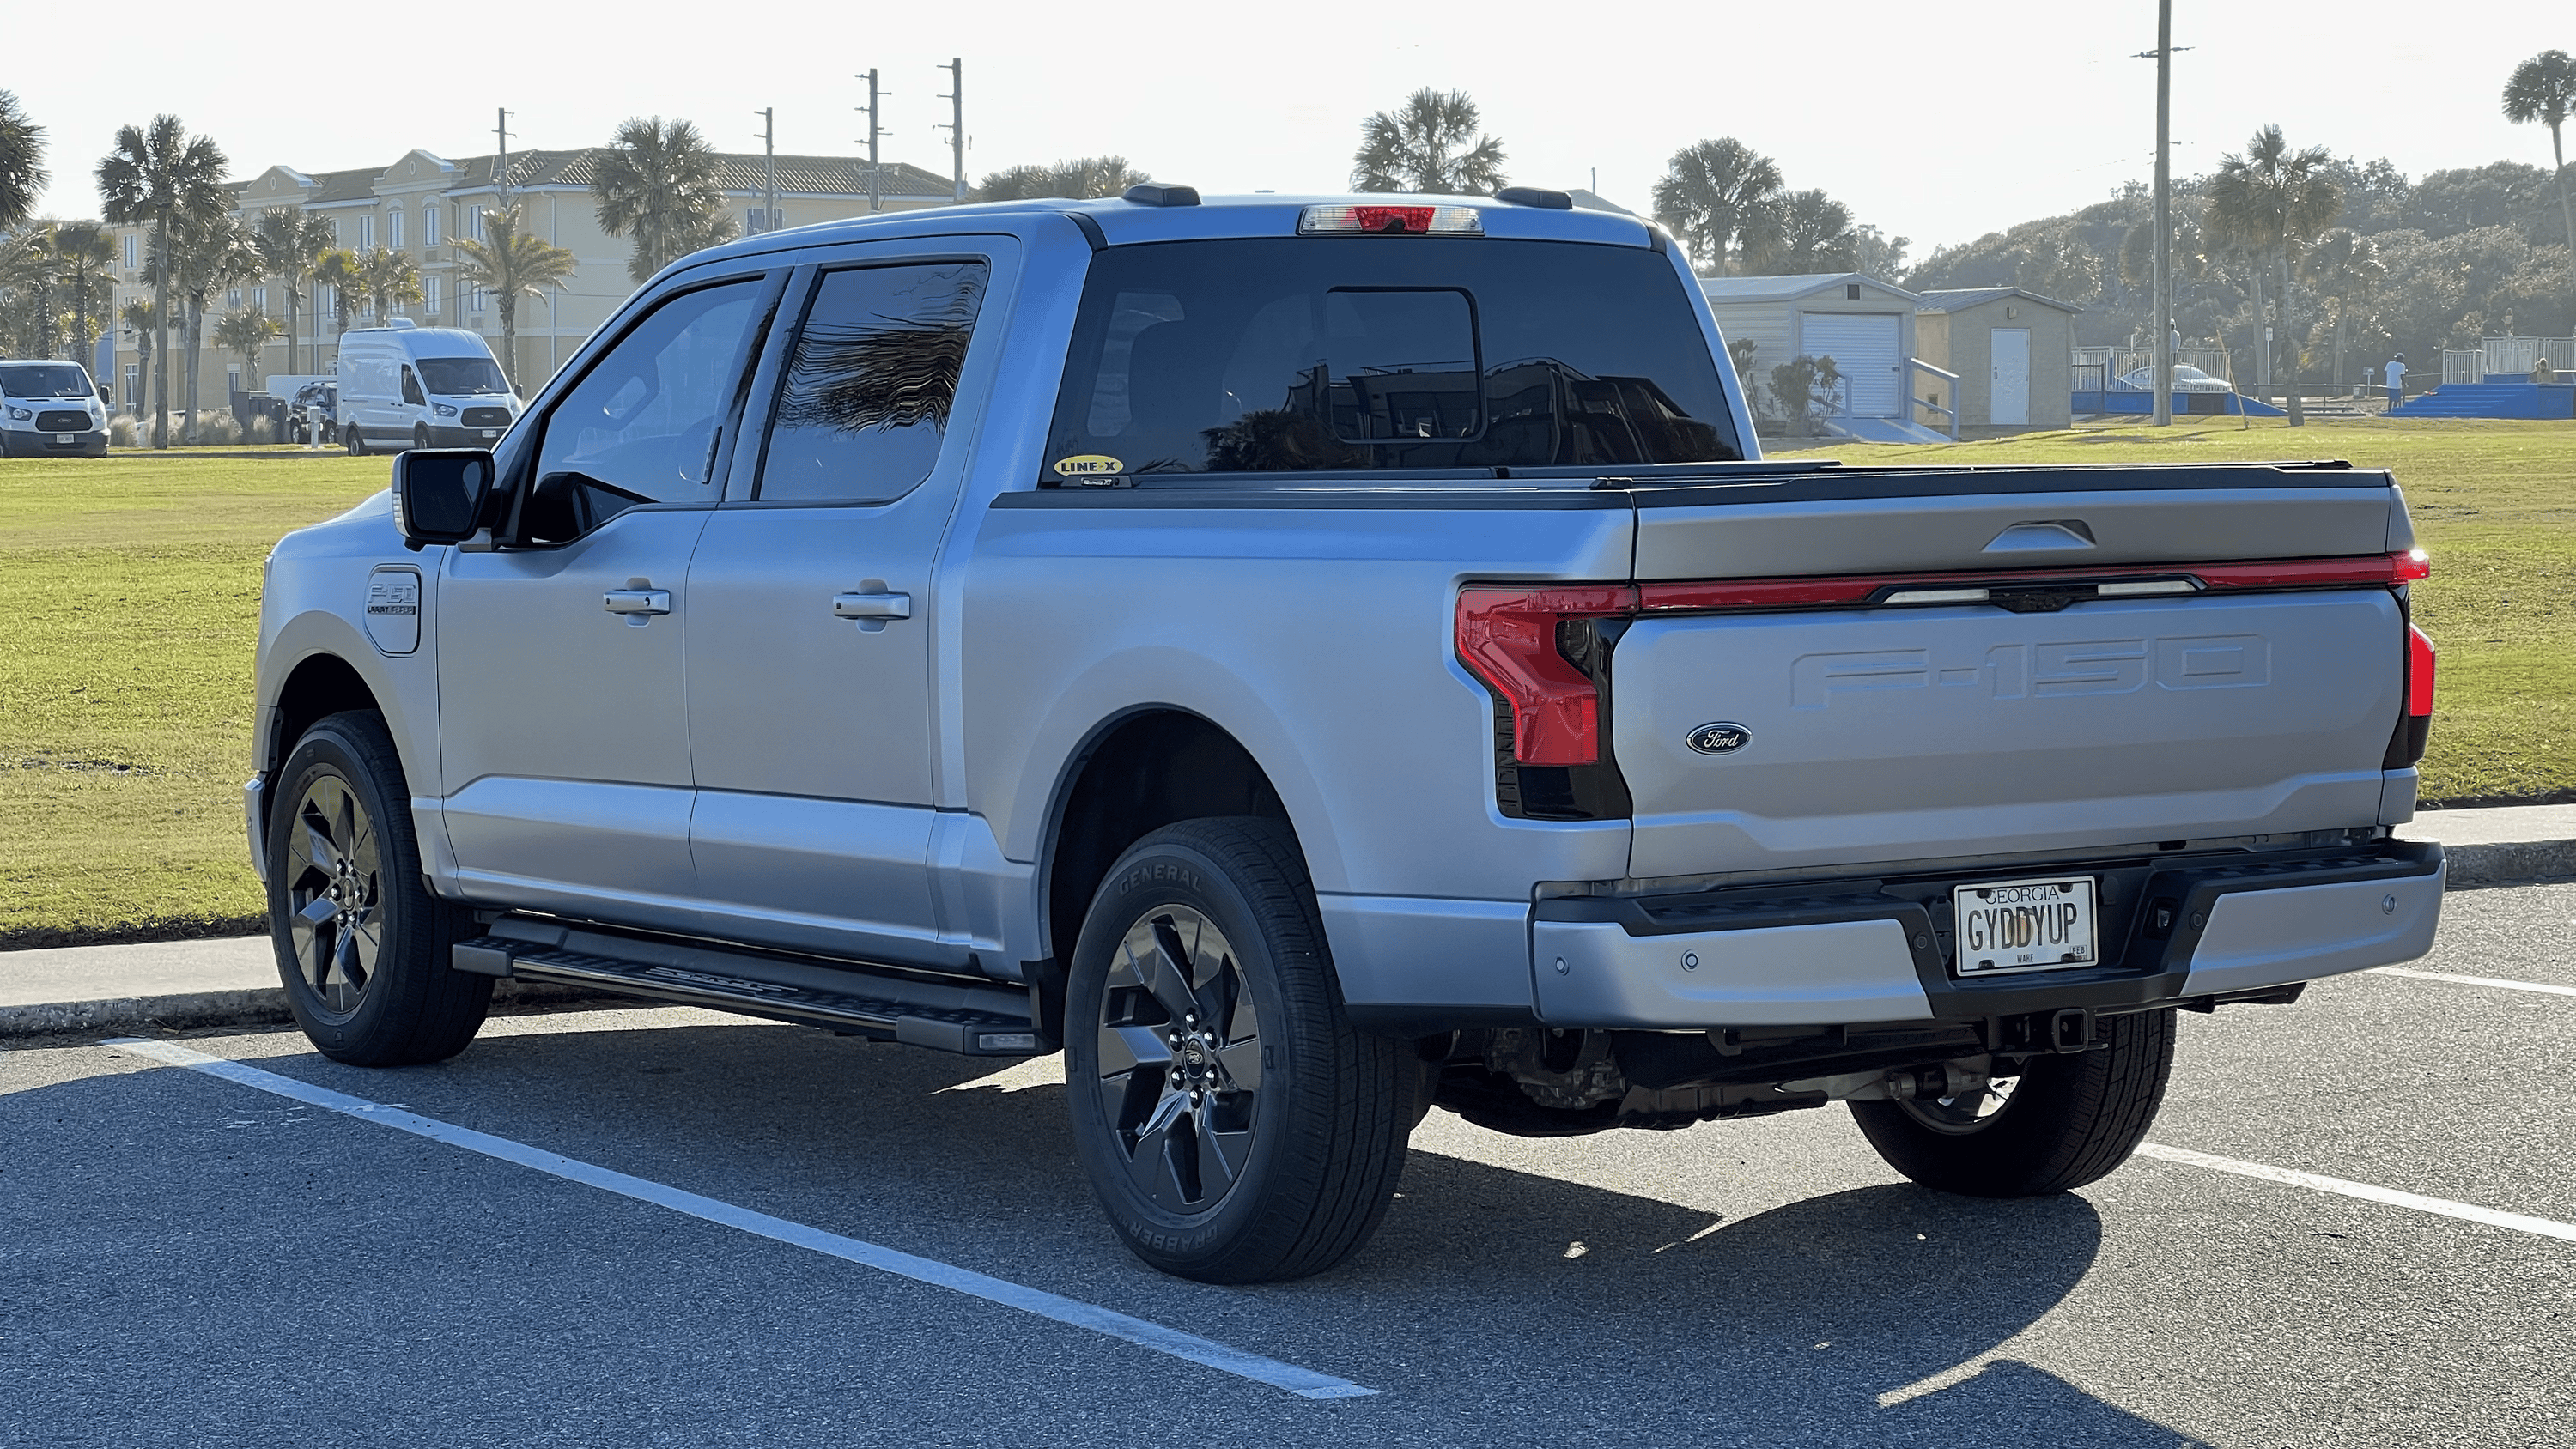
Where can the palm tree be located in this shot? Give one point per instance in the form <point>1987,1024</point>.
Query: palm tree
<point>2543,89</point>
<point>83,251</point>
<point>247,332</point>
<point>153,175</point>
<point>1801,231</point>
<point>291,245</point>
<point>659,183</point>
<point>22,163</point>
<point>2346,269</point>
<point>389,280</point>
<point>214,252</point>
<point>2271,202</point>
<point>26,287</point>
<point>1431,144</point>
<point>1711,192</point>
<point>510,264</point>
<point>1077,180</point>
<point>339,270</point>
<point>142,319</point>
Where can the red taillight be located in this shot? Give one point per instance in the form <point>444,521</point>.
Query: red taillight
<point>2419,673</point>
<point>2389,568</point>
<point>2411,565</point>
<point>1508,638</point>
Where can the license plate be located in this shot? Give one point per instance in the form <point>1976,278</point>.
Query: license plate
<point>2024,925</point>
<point>491,432</point>
<point>65,437</point>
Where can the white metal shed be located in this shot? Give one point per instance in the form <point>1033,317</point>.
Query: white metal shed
<point>1865,325</point>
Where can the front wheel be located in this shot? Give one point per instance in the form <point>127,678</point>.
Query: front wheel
<point>362,946</point>
<point>2066,1121</point>
<point>420,435</point>
<point>1233,1123</point>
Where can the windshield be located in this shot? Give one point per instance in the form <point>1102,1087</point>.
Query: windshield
<point>456,376</point>
<point>1265,356</point>
<point>57,379</point>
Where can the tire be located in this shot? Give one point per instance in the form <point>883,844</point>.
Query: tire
<point>362,946</point>
<point>1318,1134</point>
<point>420,435</point>
<point>355,440</point>
<point>2068,1120</point>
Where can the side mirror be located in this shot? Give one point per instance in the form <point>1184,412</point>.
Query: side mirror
<point>439,494</point>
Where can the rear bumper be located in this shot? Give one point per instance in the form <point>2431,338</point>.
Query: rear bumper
<point>1871,951</point>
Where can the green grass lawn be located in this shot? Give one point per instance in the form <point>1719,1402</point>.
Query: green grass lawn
<point>131,590</point>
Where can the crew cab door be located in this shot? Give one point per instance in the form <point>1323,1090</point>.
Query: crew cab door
<point>816,618</point>
<point>563,711</point>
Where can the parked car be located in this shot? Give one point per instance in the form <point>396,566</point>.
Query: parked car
<point>1312,661</point>
<point>316,411</point>
<point>50,408</point>
<point>2185,379</point>
<point>407,386</point>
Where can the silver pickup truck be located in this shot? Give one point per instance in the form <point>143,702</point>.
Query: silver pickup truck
<point>1316,659</point>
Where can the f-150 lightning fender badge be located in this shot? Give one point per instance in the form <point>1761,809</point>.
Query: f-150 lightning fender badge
<point>1719,739</point>
<point>1088,465</point>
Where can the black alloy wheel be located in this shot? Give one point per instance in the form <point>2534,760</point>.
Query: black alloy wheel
<point>1234,1125</point>
<point>363,948</point>
<point>1180,1059</point>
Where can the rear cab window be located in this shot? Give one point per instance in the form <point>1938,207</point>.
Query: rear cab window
<point>1264,356</point>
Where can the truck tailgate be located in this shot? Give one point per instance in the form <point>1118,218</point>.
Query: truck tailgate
<point>1865,733</point>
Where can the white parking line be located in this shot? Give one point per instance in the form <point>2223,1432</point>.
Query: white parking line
<point>2544,987</point>
<point>2469,1212</point>
<point>1305,1383</point>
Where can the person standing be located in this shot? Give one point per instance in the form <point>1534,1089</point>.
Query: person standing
<point>2395,372</point>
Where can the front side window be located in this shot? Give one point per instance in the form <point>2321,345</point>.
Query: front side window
<point>866,397</point>
<point>411,389</point>
<point>1312,354</point>
<point>644,421</point>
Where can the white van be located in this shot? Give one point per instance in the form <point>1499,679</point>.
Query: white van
<point>50,408</point>
<point>403,385</point>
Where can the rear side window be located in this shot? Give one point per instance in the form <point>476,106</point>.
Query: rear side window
<point>865,402</point>
<point>1265,356</point>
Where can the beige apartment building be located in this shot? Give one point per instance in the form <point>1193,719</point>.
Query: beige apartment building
<point>422,203</point>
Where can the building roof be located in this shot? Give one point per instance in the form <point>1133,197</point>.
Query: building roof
<point>331,186</point>
<point>1955,299</point>
<point>735,172</point>
<point>1790,289</point>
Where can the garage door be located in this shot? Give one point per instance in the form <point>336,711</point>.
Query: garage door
<point>1865,348</point>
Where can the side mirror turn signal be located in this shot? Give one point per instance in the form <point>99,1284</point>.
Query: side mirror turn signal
<point>439,494</point>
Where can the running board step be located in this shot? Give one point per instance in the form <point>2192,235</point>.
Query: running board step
<point>967,1030</point>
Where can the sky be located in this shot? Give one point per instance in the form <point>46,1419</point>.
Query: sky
<point>1936,123</point>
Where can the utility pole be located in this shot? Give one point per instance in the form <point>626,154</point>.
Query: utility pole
<point>769,157</point>
<point>876,197</point>
<point>956,98</point>
<point>501,170</point>
<point>2163,299</point>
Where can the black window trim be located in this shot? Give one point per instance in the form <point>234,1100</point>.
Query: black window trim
<point>764,318</point>
<point>806,287</point>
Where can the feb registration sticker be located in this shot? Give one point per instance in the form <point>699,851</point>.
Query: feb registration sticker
<point>2024,925</point>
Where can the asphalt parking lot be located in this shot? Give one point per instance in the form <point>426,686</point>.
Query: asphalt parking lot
<point>190,1259</point>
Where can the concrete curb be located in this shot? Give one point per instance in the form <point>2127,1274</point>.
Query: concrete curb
<point>2511,862</point>
<point>251,1006</point>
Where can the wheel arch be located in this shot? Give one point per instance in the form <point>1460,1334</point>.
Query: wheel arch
<point>1136,772</point>
<point>320,684</point>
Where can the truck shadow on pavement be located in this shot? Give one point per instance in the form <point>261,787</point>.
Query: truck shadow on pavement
<point>1508,1303</point>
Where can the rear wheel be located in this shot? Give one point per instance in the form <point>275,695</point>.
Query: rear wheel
<point>2064,1122</point>
<point>362,946</point>
<point>1234,1125</point>
<point>420,435</point>
<point>355,440</point>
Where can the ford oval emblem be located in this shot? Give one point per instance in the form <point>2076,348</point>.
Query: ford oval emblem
<point>1721,738</point>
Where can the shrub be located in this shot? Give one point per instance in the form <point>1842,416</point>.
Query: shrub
<point>121,431</point>
<point>217,429</point>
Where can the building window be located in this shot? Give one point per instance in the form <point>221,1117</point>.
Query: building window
<point>132,241</point>
<point>430,286</point>
<point>366,231</point>
<point>429,225</point>
<point>474,221</point>
<point>232,379</point>
<point>393,228</point>
<point>478,299</point>
<point>133,383</point>
<point>322,300</point>
<point>259,298</point>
